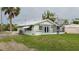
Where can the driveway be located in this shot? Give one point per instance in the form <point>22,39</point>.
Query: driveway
<point>2,35</point>
<point>14,46</point>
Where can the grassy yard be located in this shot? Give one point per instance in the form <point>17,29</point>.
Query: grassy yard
<point>62,42</point>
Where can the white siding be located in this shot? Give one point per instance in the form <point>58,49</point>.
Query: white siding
<point>36,30</point>
<point>51,29</point>
<point>72,28</point>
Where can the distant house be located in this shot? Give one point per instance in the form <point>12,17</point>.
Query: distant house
<point>39,28</point>
<point>72,28</point>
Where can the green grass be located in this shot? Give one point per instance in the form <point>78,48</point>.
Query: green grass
<point>63,42</point>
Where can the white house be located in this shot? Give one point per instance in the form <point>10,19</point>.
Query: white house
<point>39,28</point>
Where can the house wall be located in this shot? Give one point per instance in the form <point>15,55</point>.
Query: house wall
<point>50,29</point>
<point>50,25</point>
<point>54,28</point>
<point>74,30</point>
<point>36,31</point>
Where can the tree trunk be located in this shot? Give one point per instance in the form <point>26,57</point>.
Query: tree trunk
<point>1,22</point>
<point>10,25</point>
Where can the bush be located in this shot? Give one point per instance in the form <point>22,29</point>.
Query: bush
<point>6,27</point>
<point>75,22</point>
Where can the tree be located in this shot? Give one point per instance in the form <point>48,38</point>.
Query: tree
<point>76,21</point>
<point>76,18</point>
<point>11,12</point>
<point>1,20</point>
<point>49,15</point>
<point>66,22</point>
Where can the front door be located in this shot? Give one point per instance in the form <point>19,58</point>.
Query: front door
<point>46,29</point>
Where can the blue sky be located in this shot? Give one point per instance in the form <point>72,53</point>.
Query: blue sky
<point>28,14</point>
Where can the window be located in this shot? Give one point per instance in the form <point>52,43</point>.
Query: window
<point>46,29</point>
<point>40,27</point>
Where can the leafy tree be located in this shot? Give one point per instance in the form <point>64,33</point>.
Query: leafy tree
<point>76,21</point>
<point>76,18</point>
<point>49,15</point>
<point>11,12</point>
<point>66,22</point>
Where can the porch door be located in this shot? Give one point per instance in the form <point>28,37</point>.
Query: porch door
<point>46,29</point>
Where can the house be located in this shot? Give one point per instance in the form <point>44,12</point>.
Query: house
<point>38,28</point>
<point>72,28</point>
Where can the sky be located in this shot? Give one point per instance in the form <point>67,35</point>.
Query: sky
<point>29,14</point>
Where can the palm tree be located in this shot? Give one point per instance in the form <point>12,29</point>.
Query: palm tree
<point>49,15</point>
<point>11,12</point>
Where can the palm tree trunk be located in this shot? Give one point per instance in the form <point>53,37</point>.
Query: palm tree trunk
<point>1,21</point>
<point>10,25</point>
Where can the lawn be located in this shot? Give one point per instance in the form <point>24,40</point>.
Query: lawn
<point>61,42</point>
